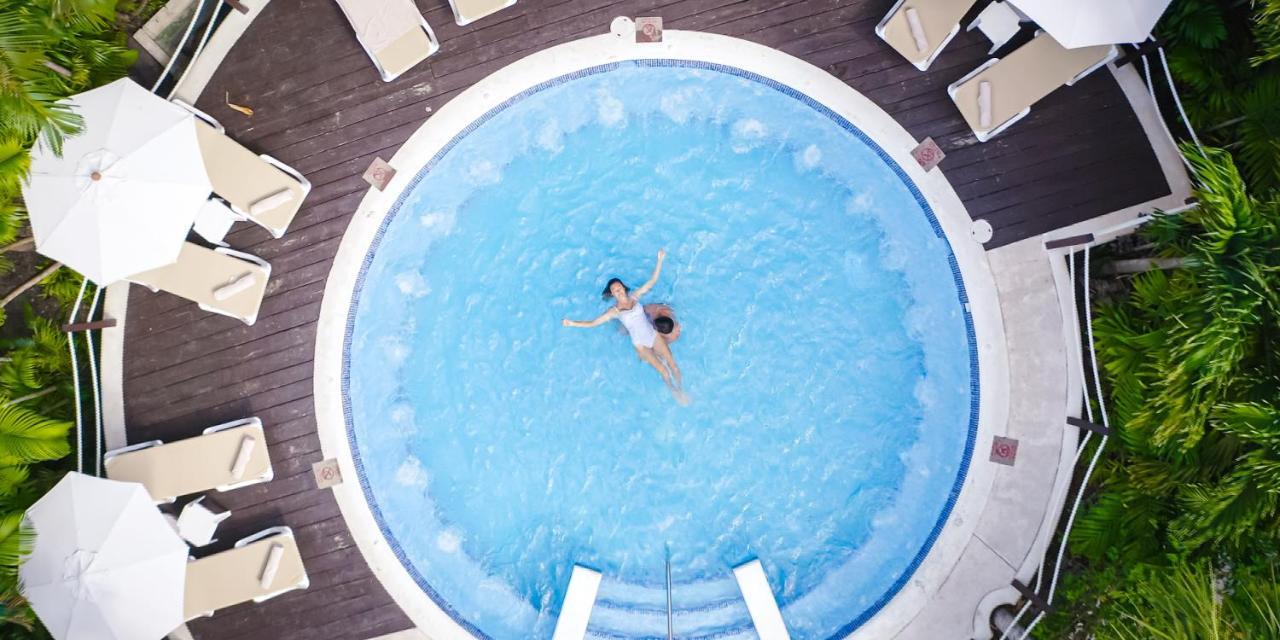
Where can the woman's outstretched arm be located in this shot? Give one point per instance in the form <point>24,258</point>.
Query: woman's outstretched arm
<point>653,279</point>
<point>585,324</point>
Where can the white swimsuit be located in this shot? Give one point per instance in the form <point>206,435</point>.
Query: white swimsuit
<point>638,325</point>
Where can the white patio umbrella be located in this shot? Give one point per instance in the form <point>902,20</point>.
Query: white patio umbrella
<point>106,565</point>
<point>125,192</point>
<point>1084,23</point>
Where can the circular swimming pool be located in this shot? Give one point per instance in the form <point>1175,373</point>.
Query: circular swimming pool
<point>826,346</point>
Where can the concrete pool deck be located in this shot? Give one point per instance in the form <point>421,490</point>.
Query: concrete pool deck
<point>266,369</point>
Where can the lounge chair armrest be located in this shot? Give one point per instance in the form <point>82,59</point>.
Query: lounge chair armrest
<point>264,534</point>
<point>245,256</point>
<point>133,447</point>
<point>431,35</point>
<point>230,209</point>
<point>294,173</point>
<point>199,114</point>
<point>897,6</point>
<point>1112,54</point>
<point>233,425</point>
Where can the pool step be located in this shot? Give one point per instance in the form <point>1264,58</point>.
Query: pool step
<point>686,595</point>
<point>704,610</point>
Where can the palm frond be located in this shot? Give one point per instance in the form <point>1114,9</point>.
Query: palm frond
<point>27,437</point>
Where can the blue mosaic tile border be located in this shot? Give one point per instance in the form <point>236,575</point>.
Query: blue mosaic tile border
<point>974,387</point>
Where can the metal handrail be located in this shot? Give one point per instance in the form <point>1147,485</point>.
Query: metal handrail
<point>670,634</point>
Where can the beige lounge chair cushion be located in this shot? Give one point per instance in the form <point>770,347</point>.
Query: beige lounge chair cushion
<point>937,18</point>
<point>378,23</point>
<point>200,273</point>
<point>466,11</point>
<point>1023,78</point>
<point>242,178</point>
<point>193,465</point>
<point>235,575</point>
<point>404,52</point>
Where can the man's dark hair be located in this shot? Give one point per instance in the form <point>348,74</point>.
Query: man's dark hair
<point>664,324</point>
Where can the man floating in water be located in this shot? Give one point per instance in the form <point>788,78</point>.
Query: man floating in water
<point>664,320</point>
<point>644,336</point>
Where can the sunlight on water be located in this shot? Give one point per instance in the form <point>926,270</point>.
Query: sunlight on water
<point>824,348</point>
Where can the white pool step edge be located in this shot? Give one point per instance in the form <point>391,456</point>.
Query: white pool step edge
<point>579,600</point>
<point>760,601</point>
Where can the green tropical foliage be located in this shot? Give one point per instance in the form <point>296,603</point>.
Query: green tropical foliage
<point>1266,30</point>
<point>1193,388</point>
<point>1196,601</point>
<point>49,50</point>
<point>1225,59</point>
<point>1194,384</point>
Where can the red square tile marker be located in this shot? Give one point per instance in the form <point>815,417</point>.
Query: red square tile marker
<point>928,154</point>
<point>648,29</point>
<point>379,174</point>
<point>1004,450</point>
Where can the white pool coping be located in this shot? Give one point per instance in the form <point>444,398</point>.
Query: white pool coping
<point>952,544</point>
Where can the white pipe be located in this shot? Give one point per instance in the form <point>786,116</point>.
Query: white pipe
<point>181,44</point>
<point>1177,100</point>
<point>1151,90</point>
<point>208,29</point>
<point>1031,627</point>
<point>97,393</point>
<point>1088,409</point>
<point>1102,409</point>
<point>75,375</point>
<point>1013,624</point>
<point>1141,219</point>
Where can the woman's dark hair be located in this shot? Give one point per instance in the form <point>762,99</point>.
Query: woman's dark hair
<point>664,325</point>
<point>606,295</point>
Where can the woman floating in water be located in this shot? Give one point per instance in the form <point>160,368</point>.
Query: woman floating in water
<point>628,310</point>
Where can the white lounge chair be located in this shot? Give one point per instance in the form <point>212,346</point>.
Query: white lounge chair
<point>467,11</point>
<point>579,600</point>
<point>761,604</point>
<point>1002,90</point>
<point>260,567</point>
<point>256,187</point>
<point>225,457</point>
<point>392,32</point>
<point>919,29</point>
<point>220,280</point>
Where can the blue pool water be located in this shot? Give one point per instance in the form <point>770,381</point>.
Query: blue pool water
<point>826,350</point>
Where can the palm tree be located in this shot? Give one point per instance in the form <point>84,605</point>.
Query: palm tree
<point>1194,381</point>
<point>1204,331</point>
<point>50,49</point>
<point>1197,601</point>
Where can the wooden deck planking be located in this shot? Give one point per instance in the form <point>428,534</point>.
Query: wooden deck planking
<point>321,107</point>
